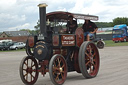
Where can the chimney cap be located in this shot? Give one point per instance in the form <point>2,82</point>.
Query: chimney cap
<point>42,5</point>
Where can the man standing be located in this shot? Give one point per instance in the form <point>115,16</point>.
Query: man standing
<point>71,24</point>
<point>90,29</point>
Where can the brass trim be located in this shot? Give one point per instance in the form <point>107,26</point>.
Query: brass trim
<point>40,42</point>
<point>39,46</point>
<point>42,5</point>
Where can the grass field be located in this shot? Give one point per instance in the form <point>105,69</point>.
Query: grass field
<point>109,43</point>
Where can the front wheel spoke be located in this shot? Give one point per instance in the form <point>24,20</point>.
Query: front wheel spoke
<point>57,77</point>
<point>25,69</point>
<point>62,72</point>
<point>62,75</point>
<point>63,66</point>
<point>27,77</point>
<point>54,69</point>
<point>33,65</point>
<point>32,76</point>
<point>26,64</point>
<point>26,74</point>
<point>59,62</point>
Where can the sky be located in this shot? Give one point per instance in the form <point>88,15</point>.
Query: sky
<point>24,14</point>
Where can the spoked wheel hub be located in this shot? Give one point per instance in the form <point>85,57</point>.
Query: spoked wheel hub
<point>29,70</point>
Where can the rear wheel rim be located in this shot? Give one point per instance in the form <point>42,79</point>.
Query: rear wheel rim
<point>89,59</point>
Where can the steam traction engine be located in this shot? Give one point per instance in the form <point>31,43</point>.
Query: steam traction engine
<point>58,52</point>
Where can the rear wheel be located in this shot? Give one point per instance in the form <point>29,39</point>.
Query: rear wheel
<point>28,70</point>
<point>89,59</point>
<point>58,69</point>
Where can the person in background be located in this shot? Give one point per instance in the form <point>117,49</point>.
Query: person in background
<point>71,24</point>
<point>90,29</point>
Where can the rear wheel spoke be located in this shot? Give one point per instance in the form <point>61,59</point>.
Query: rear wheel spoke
<point>87,63</point>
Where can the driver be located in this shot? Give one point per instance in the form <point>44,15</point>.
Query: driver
<point>71,24</point>
<point>90,29</point>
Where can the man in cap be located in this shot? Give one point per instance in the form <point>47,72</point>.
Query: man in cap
<point>71,24</point>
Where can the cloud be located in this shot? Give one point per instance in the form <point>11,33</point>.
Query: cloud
<point>16,13</point>
<point>19,27</point>
<point>7,20</point>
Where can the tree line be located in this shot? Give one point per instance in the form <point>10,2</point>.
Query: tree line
<point>116,21</point>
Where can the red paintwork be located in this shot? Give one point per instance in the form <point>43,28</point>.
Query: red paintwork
<point>118,39</point>
<point>31,41</point>
<point>79,36</point>
<point>55,40</point>
<point>63,16</point>
<point>43,69</point>
<point>76,63</point>
<point>60,51</point>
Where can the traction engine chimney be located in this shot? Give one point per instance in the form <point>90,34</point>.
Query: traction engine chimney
<point>42,11</point>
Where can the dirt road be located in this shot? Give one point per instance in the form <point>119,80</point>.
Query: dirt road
<point>113,69</point>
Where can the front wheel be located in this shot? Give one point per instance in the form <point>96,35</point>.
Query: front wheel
<point>89,59</point>
<point>28,70</point>
<point>58,69</point>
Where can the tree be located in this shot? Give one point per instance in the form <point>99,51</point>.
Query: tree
<point>37,27</point>
<point>103,24</point>
<point>120,20</point>
<point>32,32</point>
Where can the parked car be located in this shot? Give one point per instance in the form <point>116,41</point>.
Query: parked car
<point>18,45</point>
<point>5,45</point>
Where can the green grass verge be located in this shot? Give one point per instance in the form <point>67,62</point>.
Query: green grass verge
<point>12,50</point>
<point>110,43</point>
